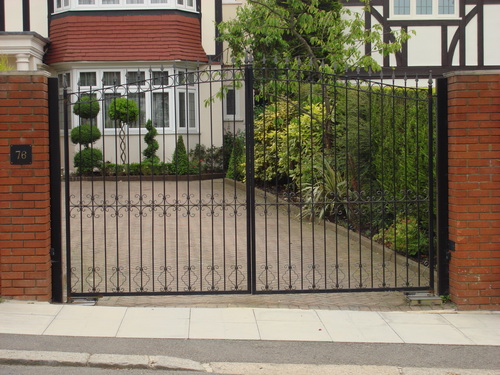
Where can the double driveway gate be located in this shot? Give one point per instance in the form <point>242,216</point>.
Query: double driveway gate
<point>247,180</point>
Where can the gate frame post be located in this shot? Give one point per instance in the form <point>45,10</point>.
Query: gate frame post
<point>250,175</point>
<point>443,284</point>
<point>55,191</point>
<point>430,119</point>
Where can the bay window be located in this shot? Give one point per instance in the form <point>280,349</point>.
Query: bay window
<point>65,5</point>
<point>167,97</point>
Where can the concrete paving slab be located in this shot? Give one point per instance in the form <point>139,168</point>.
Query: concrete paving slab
<point>430,334</point>
<point>93,321</point>
<point>481,328</point>
<point>231,324</point>
<point>293,330</point>
<point>234,315</point>
<point>24,324</point>
<point>357,326</point>
<point>30,308</point>
<point>290,315</point>
<point>418,328</point>
<point>413,318</point>
<point>224,331</point>
<point>155,323</point>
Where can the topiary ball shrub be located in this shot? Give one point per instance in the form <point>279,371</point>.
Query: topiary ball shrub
<point>86,107</point>
<point>123,109</point>
<point>85,134</point>
<point>87,160</point>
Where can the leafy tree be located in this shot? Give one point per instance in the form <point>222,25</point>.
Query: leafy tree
<point>5,64</point>
<point>316,31</point>
<point>124,110</point>
<point>319,36</point>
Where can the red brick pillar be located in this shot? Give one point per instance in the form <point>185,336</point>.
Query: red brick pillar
<point>25,271</point>
<point>474,188</point>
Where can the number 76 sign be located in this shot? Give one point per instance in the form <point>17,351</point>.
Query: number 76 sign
<point>21,154</point>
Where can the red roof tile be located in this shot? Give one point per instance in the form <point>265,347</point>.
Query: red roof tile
<point>125,38</point>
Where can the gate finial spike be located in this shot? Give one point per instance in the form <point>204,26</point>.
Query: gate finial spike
<point>430,77</point>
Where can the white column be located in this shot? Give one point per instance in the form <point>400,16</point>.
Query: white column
<point>23,61</point>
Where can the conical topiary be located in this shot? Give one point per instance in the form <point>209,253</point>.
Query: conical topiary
<point>180,160</point>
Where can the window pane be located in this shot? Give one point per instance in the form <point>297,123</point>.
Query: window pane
<point>182,78</point>
<point>64,80</point>
<point>160,110</point>
<point>446,6</point>
<point>159,1</point>
<point>135,1</point>
<point>160,78</point>
<point>180,2</point>
<point>191,110</point>
<point>111,78</point>
<point>231,102</point>
<point>140,99</point>
<point>87,79</point>
<point>189,3</point>
<point>424,6</point>
<point>134,78</point>
<point>182,110</point>
<point>86,2</point>
<point>401,6</point>
<point>58,3</point>
<point>106,2</point>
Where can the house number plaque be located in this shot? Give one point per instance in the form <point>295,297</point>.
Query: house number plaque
<point>21,154</point>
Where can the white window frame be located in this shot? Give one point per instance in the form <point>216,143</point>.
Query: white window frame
<point>67,5</point>
<point>150,89</point>
<point>414,16</point>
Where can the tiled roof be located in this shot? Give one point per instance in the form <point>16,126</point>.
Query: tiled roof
<point>125,38</point>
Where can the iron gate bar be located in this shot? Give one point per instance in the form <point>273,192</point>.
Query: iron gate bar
<point>316,250</point>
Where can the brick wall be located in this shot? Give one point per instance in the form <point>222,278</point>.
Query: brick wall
<point>474,188</point>
<point>24,189</point>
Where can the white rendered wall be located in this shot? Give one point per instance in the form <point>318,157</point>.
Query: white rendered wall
<point>424,48</point>
<point>208,26</point>
<point>491,34</point>
<point>38,16</point>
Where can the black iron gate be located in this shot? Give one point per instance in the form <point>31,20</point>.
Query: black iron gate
<point>247,180</point>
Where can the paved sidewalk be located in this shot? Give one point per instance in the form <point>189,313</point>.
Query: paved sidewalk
<point>433,327</point>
